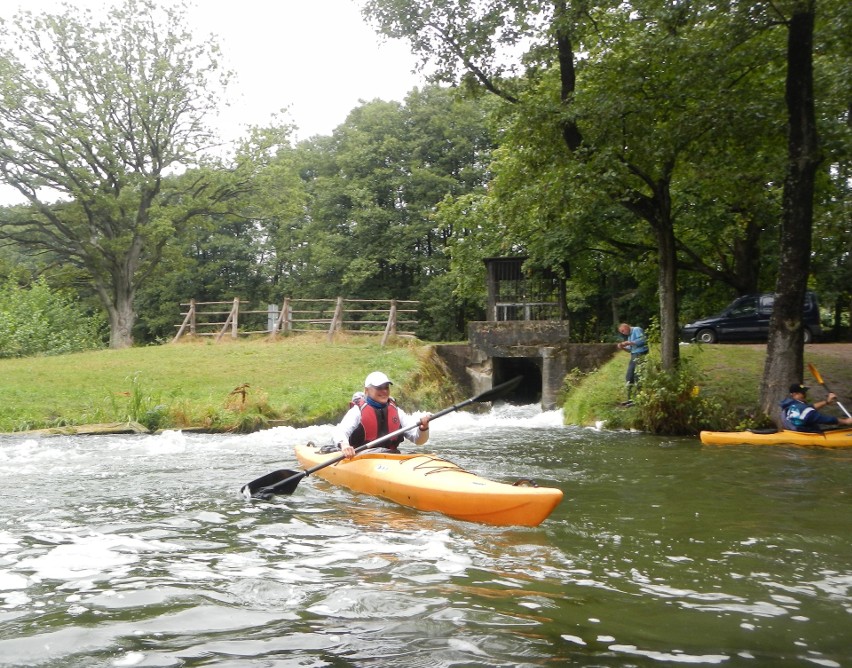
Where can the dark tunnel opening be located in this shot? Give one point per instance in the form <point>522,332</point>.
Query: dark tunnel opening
<point>507,368</point>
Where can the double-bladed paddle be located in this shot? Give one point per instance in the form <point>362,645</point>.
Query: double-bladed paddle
<point>285,481</point>
<point>818,376</point>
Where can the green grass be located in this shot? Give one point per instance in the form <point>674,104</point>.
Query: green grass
<point>728,376</point>
<point>300,380</point>
<point>305,379</point>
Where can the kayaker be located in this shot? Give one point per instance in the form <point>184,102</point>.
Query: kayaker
<point>376,414</point>
<point>637,345</point>
<point>798,415</point>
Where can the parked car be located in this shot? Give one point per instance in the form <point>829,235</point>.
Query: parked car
<point>747,319</point>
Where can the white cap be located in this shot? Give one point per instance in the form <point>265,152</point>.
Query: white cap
<point>376,379</point>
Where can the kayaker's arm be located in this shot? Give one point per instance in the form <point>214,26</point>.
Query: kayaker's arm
<point>832,398</point>
<point>825,402</point>
<point>423,429</point>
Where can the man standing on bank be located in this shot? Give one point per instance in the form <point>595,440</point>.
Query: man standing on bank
<point>375,415</point>
<point>798,415</point>
<point>636,344</point>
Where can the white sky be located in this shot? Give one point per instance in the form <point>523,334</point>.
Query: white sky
<point>316,57</point>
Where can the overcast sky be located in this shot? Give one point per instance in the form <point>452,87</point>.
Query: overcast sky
<point>316,57</point>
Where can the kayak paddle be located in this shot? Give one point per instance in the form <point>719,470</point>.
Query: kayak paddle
<point>819,379</point>
<point>285,481</point>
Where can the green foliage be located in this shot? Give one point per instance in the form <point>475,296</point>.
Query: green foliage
<point>666,134</point>
<point>37,320</point>
<point>670,402</point>
<point>444,312</point>
<point>715,388</point>
<point>141,407</point>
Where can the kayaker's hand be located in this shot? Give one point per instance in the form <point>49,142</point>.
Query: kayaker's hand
<point>348,451</point>
<point>424,422</point>
<point>830,398</point>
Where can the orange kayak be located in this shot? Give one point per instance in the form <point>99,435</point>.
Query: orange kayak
<point>832,438</point>
<point>426,482</point>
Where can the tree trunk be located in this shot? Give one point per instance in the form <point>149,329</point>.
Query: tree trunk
<point>785,350</point>
<point>117,298</point>
<point>122,317</point>
<point>667,282</point>
<point>656,211</point>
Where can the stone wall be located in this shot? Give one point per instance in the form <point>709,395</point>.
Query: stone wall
<point>541,347</point>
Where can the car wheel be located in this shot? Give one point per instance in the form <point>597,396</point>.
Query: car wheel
<point>706,336</point>
<point>808,336</point>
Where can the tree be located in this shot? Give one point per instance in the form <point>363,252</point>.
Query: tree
<point>369,228</point>
<point>243,253</point>
<point>785,351</point>
<point>609,104</point>
<point>94,115</point>
<point>831,260</point>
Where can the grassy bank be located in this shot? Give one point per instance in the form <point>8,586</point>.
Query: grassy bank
<point>307,380</point>
<point>298,380</point>
<point>728,376</point>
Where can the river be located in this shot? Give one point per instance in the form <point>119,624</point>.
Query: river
<point>140,551</point>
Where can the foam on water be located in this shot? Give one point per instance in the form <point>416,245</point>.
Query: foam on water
<point>502,415</point>
<point>89,558</point>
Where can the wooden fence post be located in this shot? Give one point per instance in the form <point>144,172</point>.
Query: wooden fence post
<point>231,320</point>
<point>390,328</point>
<point>287,315</point>
<point>337,319</point>
<point>188,320</point>
<point>284,321</point>
<point>235,320</point>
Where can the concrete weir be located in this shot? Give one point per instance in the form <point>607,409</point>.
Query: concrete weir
<point>537,350</point>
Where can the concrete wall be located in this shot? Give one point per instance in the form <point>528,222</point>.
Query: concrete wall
<point>537,350</point>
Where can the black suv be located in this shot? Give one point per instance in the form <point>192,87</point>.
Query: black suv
<point>747,319</point>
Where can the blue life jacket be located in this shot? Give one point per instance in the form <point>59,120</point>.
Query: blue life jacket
<point>798,416</point>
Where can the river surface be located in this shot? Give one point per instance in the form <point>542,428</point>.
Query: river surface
<point>140,551</point>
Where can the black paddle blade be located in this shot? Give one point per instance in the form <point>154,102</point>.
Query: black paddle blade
<point>500,390</point>
<point>256,489</point>
<point>286,486</point>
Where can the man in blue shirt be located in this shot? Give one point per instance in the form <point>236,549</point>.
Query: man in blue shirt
<point>798,415</point>
<point>636,344</point>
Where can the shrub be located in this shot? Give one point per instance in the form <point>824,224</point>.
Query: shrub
<point>37,320</point>
<point>670,402</point>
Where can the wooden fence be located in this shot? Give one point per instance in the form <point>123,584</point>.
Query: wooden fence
<point>388,317</point>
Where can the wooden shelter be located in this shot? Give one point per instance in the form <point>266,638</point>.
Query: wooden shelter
<point>518,294</point>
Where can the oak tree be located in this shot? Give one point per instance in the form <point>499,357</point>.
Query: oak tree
<point>103,132</point>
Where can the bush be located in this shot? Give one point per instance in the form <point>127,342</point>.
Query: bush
<point>37,320</point>
<point>670,402</point>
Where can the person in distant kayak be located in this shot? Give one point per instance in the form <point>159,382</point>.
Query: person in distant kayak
<point>637,345</point>
<point>376,414</point>
<point>798,415</point>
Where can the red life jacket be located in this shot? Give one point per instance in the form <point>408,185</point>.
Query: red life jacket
<point>373,426</point>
